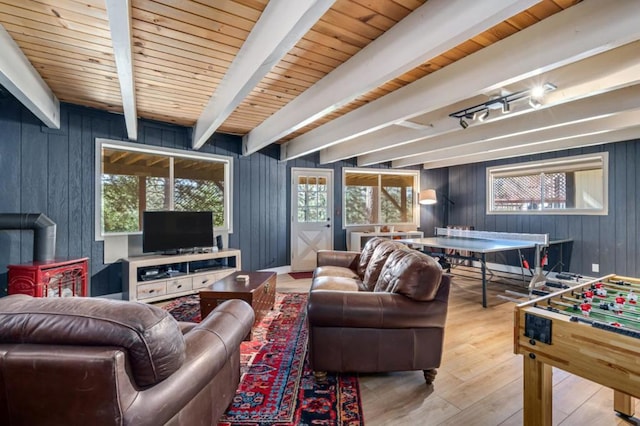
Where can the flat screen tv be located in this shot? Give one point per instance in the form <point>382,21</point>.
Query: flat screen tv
<point>174,232</point>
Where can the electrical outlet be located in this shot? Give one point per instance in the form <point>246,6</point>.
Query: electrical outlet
<point>595,267</point>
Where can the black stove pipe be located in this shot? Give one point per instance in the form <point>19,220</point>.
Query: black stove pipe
<point>44,232</point>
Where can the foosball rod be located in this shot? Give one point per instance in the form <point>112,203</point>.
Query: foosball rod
<point>599,311</point>
<point>619,287</point>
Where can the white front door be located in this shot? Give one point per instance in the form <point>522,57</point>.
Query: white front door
<point>311,211</point>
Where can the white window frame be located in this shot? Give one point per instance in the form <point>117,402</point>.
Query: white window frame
<point>147,149</point>
<point>550,165</point>
<point>416,187</point>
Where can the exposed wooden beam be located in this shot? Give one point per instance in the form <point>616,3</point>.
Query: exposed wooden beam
<point>120,25</point>
<point>279,28</point>
<point>574,142</point>
<point>607,71</point>
<point>599,125</point>
<point>613,102</point>
<point>21,79</point>
<point>390,55</point>
<point>547,45</point>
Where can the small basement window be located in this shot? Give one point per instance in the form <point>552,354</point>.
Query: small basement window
<point>568,185</point>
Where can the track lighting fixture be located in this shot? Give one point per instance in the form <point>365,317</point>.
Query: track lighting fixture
<point>481,112</point>
<point>506,107</point>
<point>535,102</point>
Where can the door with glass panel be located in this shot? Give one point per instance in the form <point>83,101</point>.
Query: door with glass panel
<point>311,221</point>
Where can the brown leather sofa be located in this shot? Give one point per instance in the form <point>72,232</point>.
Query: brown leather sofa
<point>91,361</point>
<point>380,310</point>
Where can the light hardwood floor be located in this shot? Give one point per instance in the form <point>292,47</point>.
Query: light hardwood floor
<point>480,379</point>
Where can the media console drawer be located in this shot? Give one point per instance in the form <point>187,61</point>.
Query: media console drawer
<point>156,288</point>
<point>176,285</point>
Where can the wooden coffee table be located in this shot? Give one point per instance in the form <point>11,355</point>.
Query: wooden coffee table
<point>260,293</point>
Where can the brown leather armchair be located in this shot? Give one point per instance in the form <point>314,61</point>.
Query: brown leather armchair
<point>380,310</point>
<point>90,361</point>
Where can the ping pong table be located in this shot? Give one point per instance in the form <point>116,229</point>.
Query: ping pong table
<point>479,244</point>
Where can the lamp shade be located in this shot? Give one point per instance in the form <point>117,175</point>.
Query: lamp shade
<point>427,196</point>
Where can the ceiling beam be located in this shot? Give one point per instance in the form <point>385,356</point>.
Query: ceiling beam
<point>571,35</point>
<point>392,54</point>
<point>21,79</point>
<point>578,141</point>
<point>119,12</point>
<point>281,25</point>
<point>599,125</point>
<point>610,70</point>
<point>613,102</point>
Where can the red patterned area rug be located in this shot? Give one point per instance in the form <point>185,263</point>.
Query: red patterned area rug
<point>277,386</point>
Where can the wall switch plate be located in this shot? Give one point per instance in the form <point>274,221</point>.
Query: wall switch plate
<point>595,267</point>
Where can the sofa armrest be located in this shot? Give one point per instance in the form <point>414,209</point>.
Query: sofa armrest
<point>346,259</point>
<point>210,345</point>
<point>362,309</point>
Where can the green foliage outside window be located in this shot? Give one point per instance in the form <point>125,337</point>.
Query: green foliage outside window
<point>120,203</point>
<point>379,197</point>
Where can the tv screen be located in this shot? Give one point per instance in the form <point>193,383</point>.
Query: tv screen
<point>175,231</point>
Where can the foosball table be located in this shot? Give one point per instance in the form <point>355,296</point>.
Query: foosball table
<point>587,327</point>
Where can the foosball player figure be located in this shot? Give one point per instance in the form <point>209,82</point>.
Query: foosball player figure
<point>632,299</point>
<point>600,290</point>
<point>619,303</point>
<point>588,296</point>
<point>585,308</point>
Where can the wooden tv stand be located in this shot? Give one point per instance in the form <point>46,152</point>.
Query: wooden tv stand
<point>159,277</point>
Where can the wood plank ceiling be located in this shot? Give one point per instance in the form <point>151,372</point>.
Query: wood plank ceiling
<point>182,50</point>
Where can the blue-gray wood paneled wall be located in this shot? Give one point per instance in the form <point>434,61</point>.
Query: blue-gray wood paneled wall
<point>610,241</point>
<point>52,172</point>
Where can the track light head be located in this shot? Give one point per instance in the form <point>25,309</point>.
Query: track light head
<point>537,92</point>
<point>535,102</point>
<point>484,115</point>
<point>463,123</point>
<point>506,108</point>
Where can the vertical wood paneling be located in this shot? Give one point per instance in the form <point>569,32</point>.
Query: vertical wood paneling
<point>75,184</point>
<point>622,207</point>
<point>53,172</point>
<point>58,193</point>
<point>10,187</point>
<point>87,164</point>
<point>609,241</point>
<point>34,169</point>
<point>633,177</point>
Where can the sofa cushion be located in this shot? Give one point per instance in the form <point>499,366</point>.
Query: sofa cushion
<point>151,337</point>
<point>367,252</point>
<point>377,261</point>
<point>336,283</point>
<point>412,274</point>
<point>335,271</point>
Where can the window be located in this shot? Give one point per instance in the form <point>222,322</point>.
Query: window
<point>312,199</point>
<point>373,197</point>
<point>568,185</point>
<point>133,178</point>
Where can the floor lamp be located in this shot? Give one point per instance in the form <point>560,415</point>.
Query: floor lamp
<point>429,197</point>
